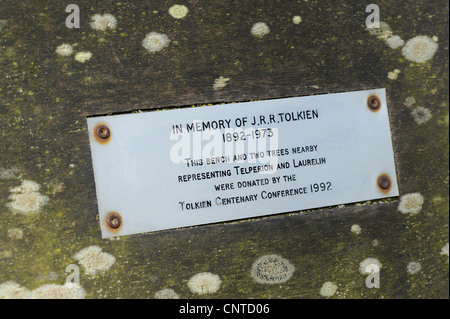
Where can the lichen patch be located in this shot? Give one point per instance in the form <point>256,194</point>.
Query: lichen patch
<point>420,49</point>
<point>26,198</point>
<point>178,11</point>
<point>328,289</point>
<point>421,114</point>
<point>83,56</point>
<point>296,19</point>
<point>368,265</point>
<point>260,29</point>
<point>393,75</point>
<point>383,32</point>
<point>272,269</point>
<point>411,203</point>
<point>103,22</point>
<point>413,267</point>
<point>204,283</point>
<point>155,41</point>
<point>8,173</point>
<point>220,83</point>
<point>444,250</point>
<point>64,49</point>
<point>12,290</point>
<point>395,42</point>
<point>356,229</point>
<point>54,291</point>
<point>166,294</point>
<point>409,101</point>
<point>15,233</point>
<point>94,260</point>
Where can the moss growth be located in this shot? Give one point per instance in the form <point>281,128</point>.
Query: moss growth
<point>45,98</point>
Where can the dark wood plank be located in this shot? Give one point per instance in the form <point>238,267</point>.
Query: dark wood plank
<point>44,99</point>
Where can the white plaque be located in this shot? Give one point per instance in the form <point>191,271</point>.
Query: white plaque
<point>182,167</point>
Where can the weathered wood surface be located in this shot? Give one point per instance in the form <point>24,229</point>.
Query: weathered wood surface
<point>44,99</point>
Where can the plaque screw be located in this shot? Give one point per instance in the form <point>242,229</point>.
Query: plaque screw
<point>373,103</point>
<point>384,182</point>
<point>103,132</point>
<point>114,221</point>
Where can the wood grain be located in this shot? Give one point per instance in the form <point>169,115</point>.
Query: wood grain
<point>45,98</point>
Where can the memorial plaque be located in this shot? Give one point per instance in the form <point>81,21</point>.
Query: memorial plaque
<point>191,166</point>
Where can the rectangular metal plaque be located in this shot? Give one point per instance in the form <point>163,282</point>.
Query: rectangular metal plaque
<point>191,166</point>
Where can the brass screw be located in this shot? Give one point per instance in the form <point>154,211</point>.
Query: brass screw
<point>384,182</point>
<point>103,132</point>
<point>373,103</point>
<point>114,221</point>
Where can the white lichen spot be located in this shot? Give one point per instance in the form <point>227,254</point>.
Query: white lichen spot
<point>444,250</point>
<point>410,203</point>
<point>155,41</point>
<point>204,283</point>
<point>94,260</point>
<point>54,291</point>
<point>166,294</point>
<point>409,101</point>
<point>393,75</point>
<point>356,229</point>
<point>64,49</point>
<point>83,56</point>
<point>395,42</point>
<point>297,19</point>
<point>26,198</point>
<point>5,254</point>
<point>15,233</point>
<point>8,173</point>
<point>435,38</point>
<point>260,29</point>
<point>421,115</point>
<point>58,188</point>
<point>328,289</point>
<point>178,11</point>
<point>384,32</point>
<point>420,49</point>
<point>220,83</point>
<point>367,266</point>
<point>272,269</point>
<point>12,290</point>
<point>413,267</point>
<point>102,22</point>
